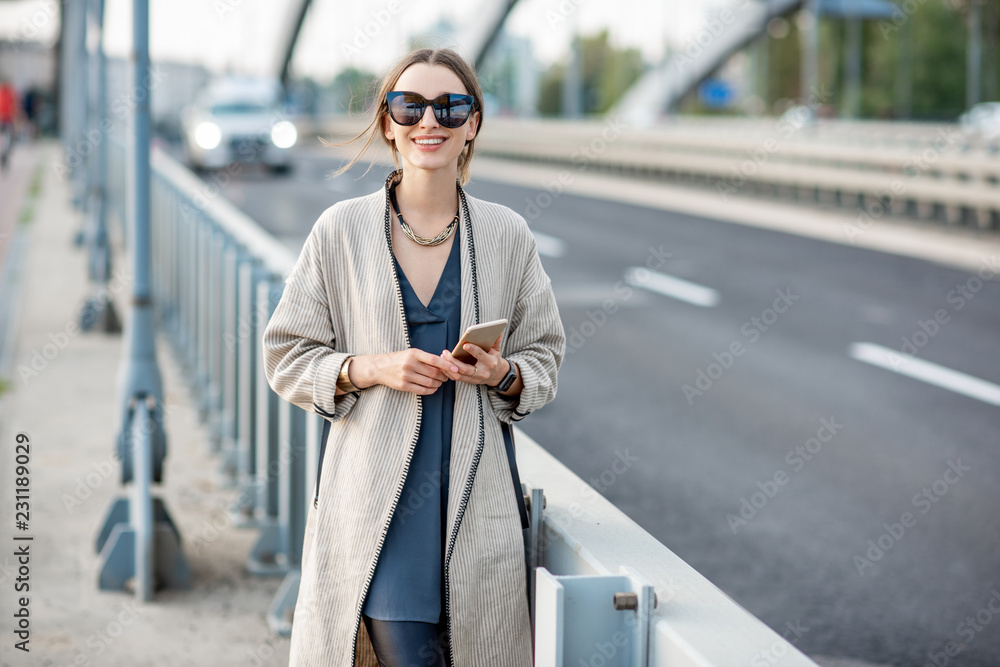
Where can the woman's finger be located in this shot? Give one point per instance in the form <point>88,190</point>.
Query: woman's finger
<point>476,351</point>
<point>463,368</point>
<point>440,363</point>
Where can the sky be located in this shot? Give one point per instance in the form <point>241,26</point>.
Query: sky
<point>243,35</point>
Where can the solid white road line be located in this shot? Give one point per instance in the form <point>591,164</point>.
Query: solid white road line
<point>905,364</point>
<point>675,288</point>
<point>549,246</point>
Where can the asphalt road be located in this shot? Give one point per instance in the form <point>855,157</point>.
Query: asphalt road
<point>814,488</point>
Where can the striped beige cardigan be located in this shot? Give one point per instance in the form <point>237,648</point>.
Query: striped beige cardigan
<point>343,297</point>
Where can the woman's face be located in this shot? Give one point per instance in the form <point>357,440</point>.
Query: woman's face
<point>430,81</point>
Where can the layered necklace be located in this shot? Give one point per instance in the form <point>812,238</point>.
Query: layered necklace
<point>435,240</point>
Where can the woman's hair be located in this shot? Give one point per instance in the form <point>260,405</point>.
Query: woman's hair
<point>450,59</point>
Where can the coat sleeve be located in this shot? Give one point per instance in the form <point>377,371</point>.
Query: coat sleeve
<point>534,340</point>
<point>301,355</point>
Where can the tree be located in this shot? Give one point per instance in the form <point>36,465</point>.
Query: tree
<point>607,72</point>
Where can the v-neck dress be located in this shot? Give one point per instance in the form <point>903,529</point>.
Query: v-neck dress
<point>408,580</point>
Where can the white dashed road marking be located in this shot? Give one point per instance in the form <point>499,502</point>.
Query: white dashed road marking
<point>675,288</point>
<point>946,378</point>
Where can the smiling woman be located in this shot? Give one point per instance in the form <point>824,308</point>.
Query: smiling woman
<point>414,547</point>
<point>449,69</point>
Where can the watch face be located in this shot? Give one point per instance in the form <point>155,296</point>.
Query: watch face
<point>506,382</point>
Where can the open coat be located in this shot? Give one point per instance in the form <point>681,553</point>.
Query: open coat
<point>342,298</point>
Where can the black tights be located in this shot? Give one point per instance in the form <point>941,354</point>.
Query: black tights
<point>407,643</point>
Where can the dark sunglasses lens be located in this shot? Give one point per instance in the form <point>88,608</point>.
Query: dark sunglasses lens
<point>406,109</point>
<point>455,111</point>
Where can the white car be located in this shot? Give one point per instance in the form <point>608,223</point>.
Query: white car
<point>238,122</point>
<point>981,124</point>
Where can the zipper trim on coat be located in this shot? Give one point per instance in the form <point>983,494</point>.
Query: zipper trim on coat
<point>413,442</point>
<point>479,449</point>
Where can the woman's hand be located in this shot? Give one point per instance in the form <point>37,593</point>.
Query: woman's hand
<point>411,370</point>
<point>488,370</point>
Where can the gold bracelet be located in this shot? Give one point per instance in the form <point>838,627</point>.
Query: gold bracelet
<point>344,380</point>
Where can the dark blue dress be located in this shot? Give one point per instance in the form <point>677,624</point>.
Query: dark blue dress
<point>408,580</point>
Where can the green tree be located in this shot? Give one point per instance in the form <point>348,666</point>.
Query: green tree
<point>352,89</point>
<point>606,73</point>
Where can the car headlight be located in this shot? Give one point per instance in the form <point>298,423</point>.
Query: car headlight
<point>284,134</point>
<point>207,135</point>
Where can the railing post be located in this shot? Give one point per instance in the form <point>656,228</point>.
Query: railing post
<point>292,506</point>
<point>248,328</point>
<point>227,368</point>
<point>202,291</point>
<point>142,501</point>
<point>263,558</point>
<point>213,377</point>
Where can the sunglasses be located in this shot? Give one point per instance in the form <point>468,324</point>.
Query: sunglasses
<point>450,109</point>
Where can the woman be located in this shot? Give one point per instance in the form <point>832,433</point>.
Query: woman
<point>414,550</point>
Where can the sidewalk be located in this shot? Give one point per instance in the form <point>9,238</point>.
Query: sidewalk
<point>62,393</point>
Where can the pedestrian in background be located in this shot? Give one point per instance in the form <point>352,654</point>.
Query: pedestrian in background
<point>10,112</point>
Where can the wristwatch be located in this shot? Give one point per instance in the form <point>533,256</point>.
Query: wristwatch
<point>344,380</point>
<point>508,379</point>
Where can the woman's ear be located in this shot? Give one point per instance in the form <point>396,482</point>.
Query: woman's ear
<point>386,127</point>
<point>473,127</point>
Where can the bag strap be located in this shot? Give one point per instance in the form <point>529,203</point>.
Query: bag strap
<point>508,440</point>
<point>322,451</point>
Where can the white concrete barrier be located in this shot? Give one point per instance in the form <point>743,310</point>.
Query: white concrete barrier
<point>584,535</point>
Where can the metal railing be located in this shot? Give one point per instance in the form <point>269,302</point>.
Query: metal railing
<point>931,172</point>
<point>217,277</point>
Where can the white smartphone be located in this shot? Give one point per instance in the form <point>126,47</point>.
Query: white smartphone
<point>483,335</point>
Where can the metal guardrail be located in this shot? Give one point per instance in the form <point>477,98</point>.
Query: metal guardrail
<point>930,172</point>
<point>217,277</point>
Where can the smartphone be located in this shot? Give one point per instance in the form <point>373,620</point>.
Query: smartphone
<point>483,335</point>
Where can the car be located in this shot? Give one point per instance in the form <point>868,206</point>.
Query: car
<point>238,121</point>
<point>981,125</point>
<point>799,116</point>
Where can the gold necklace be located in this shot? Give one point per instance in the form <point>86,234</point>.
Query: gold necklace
<point>422,240</point>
